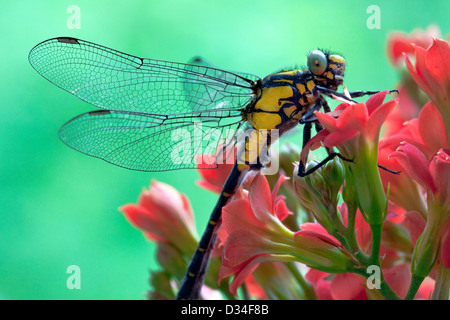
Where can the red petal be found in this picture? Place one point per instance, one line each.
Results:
(242, 245)
(328, 122)
(417, 71)
(414, 164)
(281, 210)
(348, 286)
(438, 60)
(313, 276)
(397, 45)
(355, 117)
(245, 271)
(238, 215)
(322, 290)
(440, 170)
(415, 223)
(426, 289)
(141, 219)
(318, 236)
(432, 128)
(398, 278)
(275, 190)
(375, 101)
(260, 198)
(377, 118)
(339, 137)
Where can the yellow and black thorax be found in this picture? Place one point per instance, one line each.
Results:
(282, 98)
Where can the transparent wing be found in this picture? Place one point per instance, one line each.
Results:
(113, 80)
(146, 142)
(201, 61)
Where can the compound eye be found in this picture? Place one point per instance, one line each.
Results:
(317, 62)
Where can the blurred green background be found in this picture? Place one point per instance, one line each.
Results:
(59, 207)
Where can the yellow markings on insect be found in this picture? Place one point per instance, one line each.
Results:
(333, 66)
(269, 102)
(262, 120)
(289, 73)
(310, 85)
(284, 80)
(201, 250)
(271, 96)
(336, 58)
(301, 88)
(226, 194)
(191, 274)
(329, 75)
(256, 141)
(212, 222)
(288, 111)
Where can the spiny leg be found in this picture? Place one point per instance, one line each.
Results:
(361, 93)
(307, 121)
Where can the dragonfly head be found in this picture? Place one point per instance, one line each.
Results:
(328, 69)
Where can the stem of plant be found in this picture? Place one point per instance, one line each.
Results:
(416, 281)
(309, 291)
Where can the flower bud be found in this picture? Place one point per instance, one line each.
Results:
(333, 175)
(289, 153)
(314, 195)
(423, 259)
(162, 289)
(171, 260)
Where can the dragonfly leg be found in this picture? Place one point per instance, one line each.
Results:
(307, 117)
(307, 121)
(302, 172)
(329, 93)
(361, 93)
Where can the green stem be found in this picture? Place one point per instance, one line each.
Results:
(416, 281)
(376, 244)
(307, 288)
(245, 294)
(387, 291)
(350, 236)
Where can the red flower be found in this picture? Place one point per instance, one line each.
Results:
(355, 134)
(400, 43)
(432, 74)
(427, 133)
(214, 175)
(407, 109)
(164, 215)
(249, 223)
(316, 236)
(349, 286)
(434, 177)
(253, 233)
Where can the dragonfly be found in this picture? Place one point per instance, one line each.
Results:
(147, 105)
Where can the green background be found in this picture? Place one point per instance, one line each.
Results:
(59, 207)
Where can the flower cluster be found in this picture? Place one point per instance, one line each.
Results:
(371, 224)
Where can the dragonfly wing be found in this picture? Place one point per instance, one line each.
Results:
(146, 142)
(113, 80)
(200, 61)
